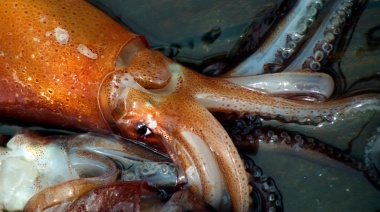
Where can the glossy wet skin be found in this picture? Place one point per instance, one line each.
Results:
(42, 72)
(176, 108)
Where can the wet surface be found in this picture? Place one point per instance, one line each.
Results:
(205, 33)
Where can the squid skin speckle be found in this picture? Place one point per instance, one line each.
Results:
(66, 64)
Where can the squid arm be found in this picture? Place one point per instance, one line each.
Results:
(65, 63)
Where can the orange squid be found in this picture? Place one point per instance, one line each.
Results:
(66, 64)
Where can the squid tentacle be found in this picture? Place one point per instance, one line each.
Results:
(137, 93)
(294, 30)
(323, 42)
(265, 194)
(250, 136)
(232, 98)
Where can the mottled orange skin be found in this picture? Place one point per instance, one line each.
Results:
(51, 83)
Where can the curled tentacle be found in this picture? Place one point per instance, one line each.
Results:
(328, 178)
(291, 35)
(265, 194)
(323, 41)
(248, 136)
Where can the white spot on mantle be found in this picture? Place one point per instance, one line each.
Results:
(86, 52)
(61, 35)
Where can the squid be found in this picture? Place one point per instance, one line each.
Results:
(67, 64)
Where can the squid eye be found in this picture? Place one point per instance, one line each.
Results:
(142, 129)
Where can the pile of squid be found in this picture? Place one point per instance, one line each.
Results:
(155, 142)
